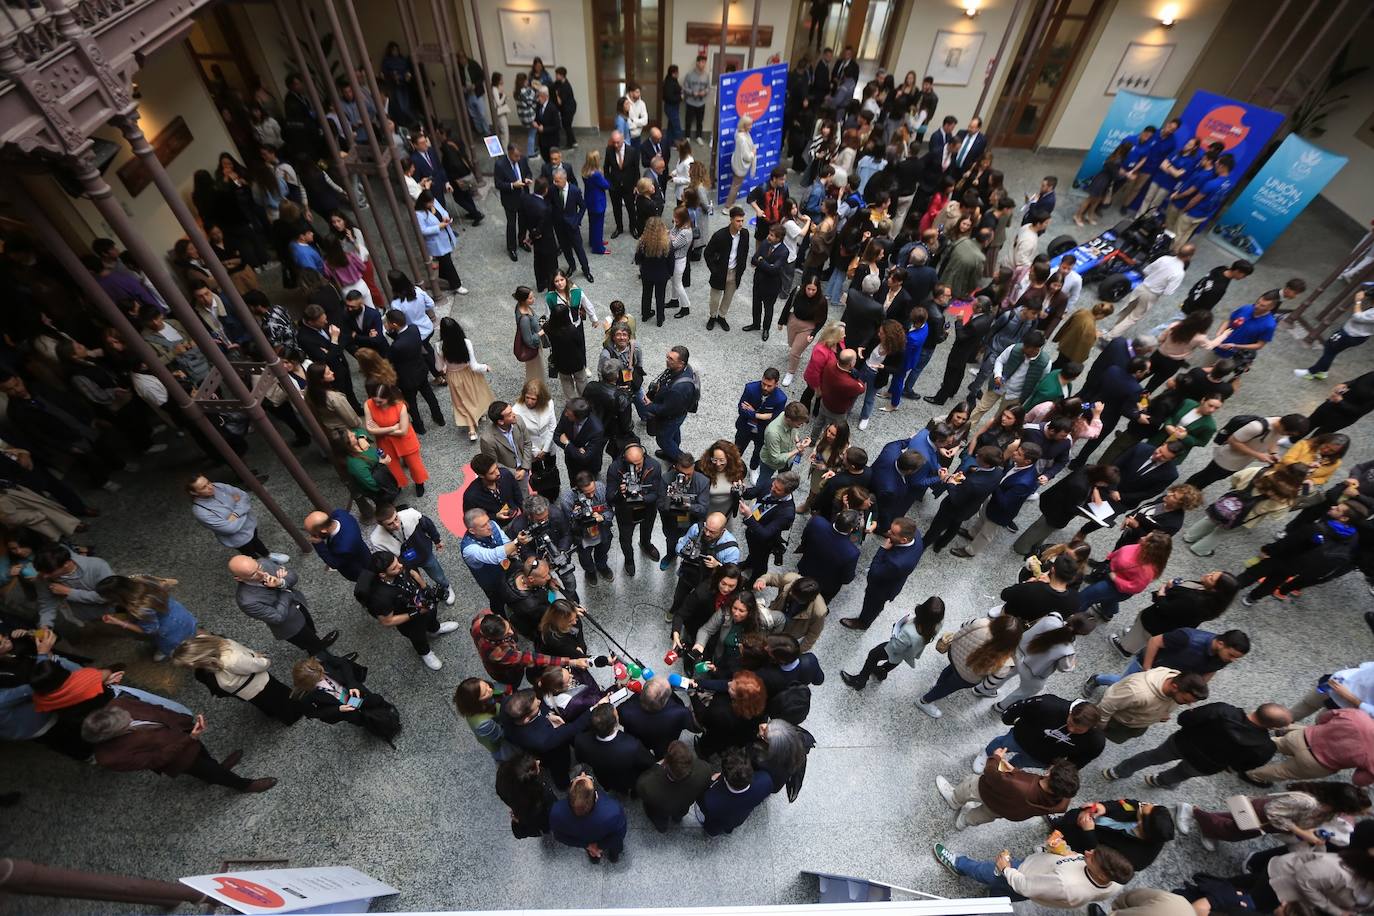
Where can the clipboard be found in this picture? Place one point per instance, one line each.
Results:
(1100, 513)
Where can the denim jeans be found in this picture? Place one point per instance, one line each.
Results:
(669, 437)
(1104, 595)
(1015, 754)
(1107, 680)
(985, 873)
(674, 113)
(835, 285)
(152, 698)
(1337, 342)
(435, 570)
(869, 377)
(948, 682)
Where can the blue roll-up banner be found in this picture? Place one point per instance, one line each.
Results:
(1129, 113)
(761, 94)
(1294, 175)
(1243, 129)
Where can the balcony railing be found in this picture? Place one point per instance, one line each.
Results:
(33, 27)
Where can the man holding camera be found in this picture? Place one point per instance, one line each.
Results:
(528, 588)
(686, 500)
(581, 437)
(496, 491)
(768, 520)
(398, 598)
(702, 550)
(636, 488)
(415, 540)
(551, 539)
(485, 550)
(671, 396)
(590, 514)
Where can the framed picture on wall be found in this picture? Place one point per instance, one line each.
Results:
(953, 57)
(1140, 68)
(525, 35)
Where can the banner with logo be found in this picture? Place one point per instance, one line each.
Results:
(760, 94)
(1130, 112)
(1243, 129)
(1294, 175)
(328, 889)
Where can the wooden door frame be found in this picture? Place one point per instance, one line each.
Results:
(1040, 54)
(629, 33)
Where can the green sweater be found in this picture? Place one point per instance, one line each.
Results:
(1049, 389)
(1200, 431)
(778, 440)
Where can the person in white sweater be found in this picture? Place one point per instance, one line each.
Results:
(1062, 882)
(743, 159)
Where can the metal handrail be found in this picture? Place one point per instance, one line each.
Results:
(33, 28)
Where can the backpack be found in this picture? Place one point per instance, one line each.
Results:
(1229, 428)
(792, 704)
(1233, 508)
(693, 379)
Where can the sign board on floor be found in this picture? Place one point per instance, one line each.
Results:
(332, 889)
(761, 95)
(1130, 112)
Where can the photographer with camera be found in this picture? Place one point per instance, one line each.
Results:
(614, 407)
(497, 492)
(701, 551)
(551, 540)
(686, 501)
(530, 587)
(415, 540)
(486, 549)
(398, 598)
(590, 515)
(712, 596)
(760, 403)
(636, 489)
(768, 520)
(581, 437)
(671, 396)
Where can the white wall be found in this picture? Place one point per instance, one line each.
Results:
(1351, 190)
(1080, 111)
(929, 16)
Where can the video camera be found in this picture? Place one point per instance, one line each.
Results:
(633, 494)
(584, 512)
(679, 497)
(543, 546)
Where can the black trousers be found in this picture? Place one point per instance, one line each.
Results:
(672, 531)
(594, 557)
(208, 769)
(255, 548)
(744, 439)
(513, 233)
(620, 201)
(625, 524)
(943, 527)
(1208, 476)
(570, 243)
(875, 664)
(306, 638)
(462, 198)
(545, 264)
(694, 116)
(765, 297)
(955, 365)
(447, 272)
(567, 119)
(496, 597)
(655, 290)
(873, 604)
(412, 396)
(760, 555)
(417, 630)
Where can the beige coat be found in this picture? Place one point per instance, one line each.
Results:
(1138, 700)
(1147, 901)
(966, 642)
(806, 626)
(243, 672)
(1319, 879)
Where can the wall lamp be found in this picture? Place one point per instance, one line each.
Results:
(1168, 16)
(971, 8)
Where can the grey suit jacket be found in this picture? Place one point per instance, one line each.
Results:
(279, 608)
(491, 441)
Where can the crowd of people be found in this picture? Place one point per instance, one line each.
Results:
(902, 242)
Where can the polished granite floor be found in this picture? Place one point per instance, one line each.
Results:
(424, 818)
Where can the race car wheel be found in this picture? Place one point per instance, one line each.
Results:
(1060, 245)
(1114, 288)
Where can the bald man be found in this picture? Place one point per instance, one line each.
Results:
(338, 540)
(267, 592)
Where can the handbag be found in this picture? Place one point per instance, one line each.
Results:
(523, 351)
(944, 642)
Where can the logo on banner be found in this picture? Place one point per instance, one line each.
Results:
(1225, 125)
(1140, 112)
(1302, 167)
(753, 96)
(249, 892)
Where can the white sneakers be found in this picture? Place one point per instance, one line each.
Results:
(462, 290)
(787, 380)
(432, 661)
(279, 558)
(980, 762)
(448, 626)
(1303, 373)
(863, 424)
(946, 790)
(1183, 818)
(929, 709)
(449, 599)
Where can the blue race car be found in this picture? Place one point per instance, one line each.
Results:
(1114, 259)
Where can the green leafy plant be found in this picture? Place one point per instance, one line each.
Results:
(1318, 101)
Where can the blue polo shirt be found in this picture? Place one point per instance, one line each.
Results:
(1213, 191)
(1246, 328)
(1139, 150)
(1159, 149)
(1185, 162)
(1189, 650)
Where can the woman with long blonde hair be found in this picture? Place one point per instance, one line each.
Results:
(829, 343)
(145, 606)
(229, 669)
(597, 189)
(654, 255)
(375, 367)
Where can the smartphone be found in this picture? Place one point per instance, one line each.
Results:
(354, 701)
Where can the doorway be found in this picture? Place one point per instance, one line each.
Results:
(217, 49)
(629, 49)
(1048, 63)
(864, 25)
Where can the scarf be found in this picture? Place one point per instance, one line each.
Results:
(80, 686)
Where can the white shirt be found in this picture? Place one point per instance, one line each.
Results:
(1023, 251)
(682, 175)
(417, 311)
(792, 234)
(1073, 286)
(1012, 384)
(539, 425)
(639, 117)
(381, 539)
(1163, 276)
(734, 252)
(1060, 882)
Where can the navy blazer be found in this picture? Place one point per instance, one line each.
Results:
(1135, 487)
(725, 810)
(1011, 494)
(1116, 353)
(976, 150)
(569, 215)
(357, 332)
(585, 449)
(546, 171)
(502, 174)
(430, 164)
(510, 492)
(1119, 393)
(891, 566)
(938, 141)
(776, 522)
(752, 402)
(656, 729)
(604, 825)
(965, 499)
(318, 348)
(893, 494)
(616, 763)
(540, 736)
(408, 356)
(827, 556)
(345, 550)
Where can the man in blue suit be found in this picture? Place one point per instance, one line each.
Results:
(568, 210)
(895, 481)
(930, 444)
(363, 325)
(656, 716)
(828, 554)
(965, 496)
(1118, 352)
(731, 799)
(429, 164)
(945, 137)
(513, 179)
(338, 540)
(525, 723)
(894, 562)
(1006, 500)
(758, 405)
(1146, 471)
(768, 520)
(1119, 393)
(589, 820)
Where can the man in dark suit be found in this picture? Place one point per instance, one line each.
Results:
(1146, 471)
(621, 167)
(820, 77)
(548, 124)
(970, 146)
(322, 343)
(731, 799)
(498, 492)
(1118, 352)
(429, 164)
(896, 483)
(945, 137)
(726, 255)
(828, 554)
(412, 368)
(589, 820)
(568, 210)
(1119, 393)
(767, 521)
(513, 179)
(581, 437)
(759, 404)
(862, 313)
(554, 163)
(651, 147)
(896, 300)
(567, 103)
(888, 571)
(536, 218)
(362, 325)
(656, 716)
(615, 756)
(525, 723)
(935, 166)
(1017, 484)
(964, 497)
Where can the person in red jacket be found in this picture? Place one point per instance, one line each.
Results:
(1342, 739)
(840, 387)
